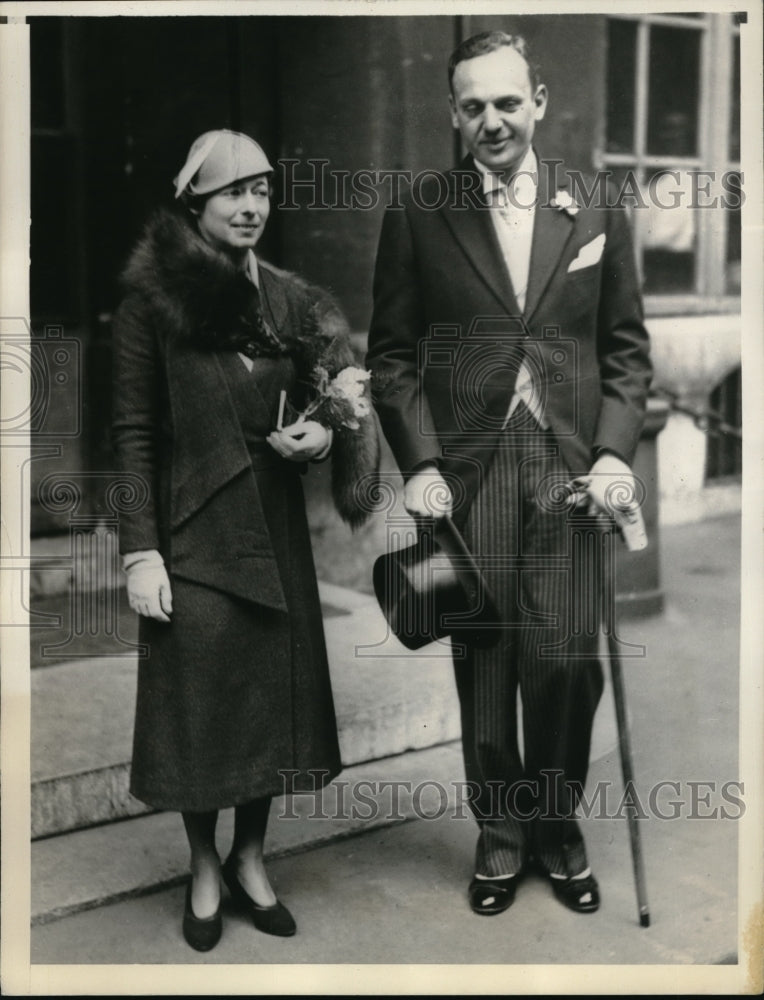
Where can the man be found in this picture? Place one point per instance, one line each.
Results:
(510, 361)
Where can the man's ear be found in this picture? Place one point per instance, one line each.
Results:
(452, 106)
(540, 99)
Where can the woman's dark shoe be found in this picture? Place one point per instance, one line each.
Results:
(274, 919)
(490, 896)
(581, 895)
(202, 933)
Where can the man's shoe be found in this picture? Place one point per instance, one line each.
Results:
(491, 896)
(582, 895)
(202, 933)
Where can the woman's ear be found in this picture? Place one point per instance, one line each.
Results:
(193, 204)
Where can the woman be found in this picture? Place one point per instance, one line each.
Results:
(234, 703)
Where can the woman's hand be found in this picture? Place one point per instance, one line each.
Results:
(301, 441)
(148, 585)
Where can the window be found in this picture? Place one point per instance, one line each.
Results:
(672, 135)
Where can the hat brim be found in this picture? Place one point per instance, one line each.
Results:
(434, 588)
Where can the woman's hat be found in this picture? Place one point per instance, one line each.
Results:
(434, 588)
(217, 159)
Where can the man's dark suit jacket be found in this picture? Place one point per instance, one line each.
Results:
(447, 334)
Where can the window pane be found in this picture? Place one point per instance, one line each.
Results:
(672, 121)
(621, 86)
(734, 144)
(668, 232)
(46, 74)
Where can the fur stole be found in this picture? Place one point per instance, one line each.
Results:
(195, 293)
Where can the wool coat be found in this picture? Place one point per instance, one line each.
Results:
(234, 698)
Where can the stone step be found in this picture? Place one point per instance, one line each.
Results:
(388, 701)
(84, 869)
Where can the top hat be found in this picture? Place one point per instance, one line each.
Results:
(433, 589)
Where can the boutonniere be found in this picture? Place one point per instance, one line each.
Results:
(565, 202)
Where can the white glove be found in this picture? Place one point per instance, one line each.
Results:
(427, 494)
(148, 585)
(303, 441)
(612, 489)
(609, 485)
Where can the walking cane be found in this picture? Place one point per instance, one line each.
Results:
(624, 738)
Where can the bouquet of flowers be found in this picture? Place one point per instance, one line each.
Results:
(339, 402)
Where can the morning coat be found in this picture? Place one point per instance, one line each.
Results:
(447, 335)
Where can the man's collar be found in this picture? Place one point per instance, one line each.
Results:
(526, 173)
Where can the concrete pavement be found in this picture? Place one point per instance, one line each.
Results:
(397, 894)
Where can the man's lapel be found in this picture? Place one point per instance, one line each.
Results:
(473, 230)
(552, 229)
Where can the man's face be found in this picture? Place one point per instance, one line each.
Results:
(495, 108)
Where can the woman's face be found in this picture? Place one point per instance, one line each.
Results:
(233, 219)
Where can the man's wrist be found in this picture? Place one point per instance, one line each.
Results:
(428, 467)
(598, 452)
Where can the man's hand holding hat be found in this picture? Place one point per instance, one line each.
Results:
(427, 494)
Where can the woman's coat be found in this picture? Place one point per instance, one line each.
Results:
(185, 314)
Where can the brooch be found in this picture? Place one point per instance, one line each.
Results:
(564, 201)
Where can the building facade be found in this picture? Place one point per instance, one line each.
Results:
(351, 107)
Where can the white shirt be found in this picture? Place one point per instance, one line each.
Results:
(513, 211)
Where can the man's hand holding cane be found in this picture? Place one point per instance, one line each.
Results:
(611, 490)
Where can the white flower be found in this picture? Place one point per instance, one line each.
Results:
(564, 201)
(341, 401)
(349, 383)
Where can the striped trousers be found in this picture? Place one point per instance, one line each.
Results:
(545, 582)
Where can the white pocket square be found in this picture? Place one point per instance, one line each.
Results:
(589, 254)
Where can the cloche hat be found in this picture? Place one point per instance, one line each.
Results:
(217, 159)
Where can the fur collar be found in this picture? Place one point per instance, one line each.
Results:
(200, 295)
(196, 294)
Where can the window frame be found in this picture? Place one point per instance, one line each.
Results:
(718, 32)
